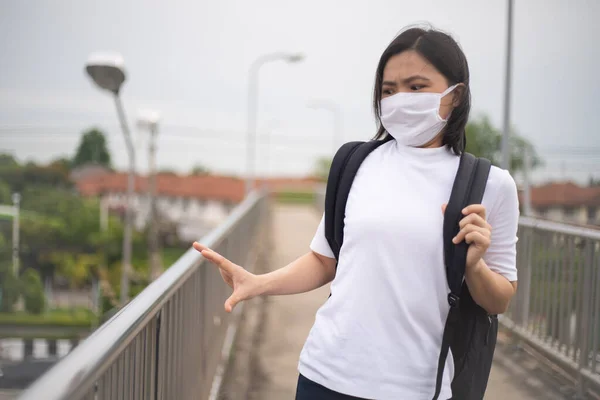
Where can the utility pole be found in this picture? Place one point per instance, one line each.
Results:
(128, 233)
(96, 279)
(507, 89)
(103, 214)
(149, 120)
(153, 242)
(16, 198)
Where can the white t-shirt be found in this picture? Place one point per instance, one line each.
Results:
(379, 334)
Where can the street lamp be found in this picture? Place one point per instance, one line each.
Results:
(253, 106)
(267, 159)
(107, 70)
(337, 119)
(149, 120)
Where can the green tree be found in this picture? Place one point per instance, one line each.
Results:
(10, 289)
(593, 182)
(92, 149)
(7, 160)
(9, 285)
(484, 140)
(5, 195)
(62, 163)
(167, 171)
(33, 292)
(58, 228)
(200, 170)
(61, 235)
(18, 177)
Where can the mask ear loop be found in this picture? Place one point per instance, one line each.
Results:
(444, 93)
(450, 89)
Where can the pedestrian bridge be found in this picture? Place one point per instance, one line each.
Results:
(175, 341)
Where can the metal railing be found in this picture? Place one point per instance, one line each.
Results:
(167, 342)
(557, 306)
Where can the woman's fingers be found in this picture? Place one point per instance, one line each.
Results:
(234, 275)
(470, 228)
(475, 214)
(474, 219)
(199, 246)
(475, 209)
(231, 302)
(224, 264)
(478, 238)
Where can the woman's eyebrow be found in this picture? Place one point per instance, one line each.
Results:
(406, 81)
(416, 77)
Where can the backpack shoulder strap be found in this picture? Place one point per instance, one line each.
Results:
(335, 172)
(344, 167)
(469, 187)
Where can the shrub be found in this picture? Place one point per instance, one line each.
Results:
(33, 292)
(9, 291)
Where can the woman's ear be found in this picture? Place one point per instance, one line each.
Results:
(458, 94)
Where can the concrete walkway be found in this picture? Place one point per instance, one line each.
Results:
(288, 319)
(8, 394)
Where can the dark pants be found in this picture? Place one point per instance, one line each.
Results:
(309, 390)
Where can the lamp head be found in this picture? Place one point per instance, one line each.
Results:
(107, 70)
(295, 57)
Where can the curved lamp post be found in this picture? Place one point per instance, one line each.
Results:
(107, 70)
(337, 119)
(253, 107)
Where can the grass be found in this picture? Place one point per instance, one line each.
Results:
(295, 197)
(171, 254)
(46, 336)
(57, 317)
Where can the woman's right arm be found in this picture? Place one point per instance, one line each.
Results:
(311, 271)
(308, 272)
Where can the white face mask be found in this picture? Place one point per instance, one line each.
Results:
(413, 119)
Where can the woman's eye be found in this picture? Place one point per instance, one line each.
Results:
(416, 87)
(387, 92)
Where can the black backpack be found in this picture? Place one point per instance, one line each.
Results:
(469, 331)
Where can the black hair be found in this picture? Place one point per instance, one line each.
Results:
(444, 53)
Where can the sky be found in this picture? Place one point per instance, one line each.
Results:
(189, 60)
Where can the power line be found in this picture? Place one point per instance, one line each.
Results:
(193, 130)
(167, 131)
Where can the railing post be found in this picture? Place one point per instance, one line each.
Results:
(154, 373)
(527, 283)
(523, 295)
(203, 339)
(585, 316)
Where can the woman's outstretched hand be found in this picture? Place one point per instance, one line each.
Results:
(245, 285)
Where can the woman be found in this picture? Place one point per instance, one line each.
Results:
(379, 334)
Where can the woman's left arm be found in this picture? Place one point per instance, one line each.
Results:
(489, 289)
(491, 272)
